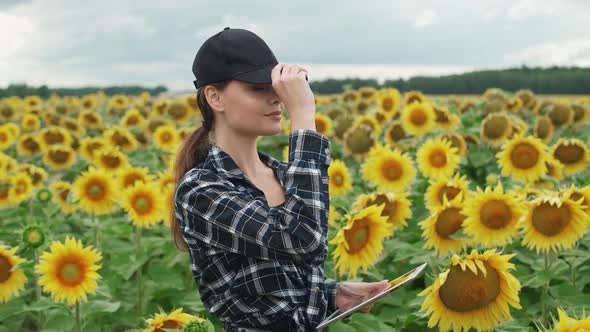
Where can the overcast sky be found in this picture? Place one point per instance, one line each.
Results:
(72, 43)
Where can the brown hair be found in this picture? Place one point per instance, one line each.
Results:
(193, 151)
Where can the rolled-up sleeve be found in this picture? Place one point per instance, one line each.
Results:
(331, 289)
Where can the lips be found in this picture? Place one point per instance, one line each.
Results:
(274, 113)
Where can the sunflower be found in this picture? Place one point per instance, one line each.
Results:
(89, 145)
(53, 136)
(30, 122)
(568, 324)
(554, 168)
(90, 119)
(68, 271)
(388, 102)
(394, 133)
(129, 175)
(37, 174)
(457, 141)
(143, 203)
(360, 241)
(95, 190)
(33, 236)
(159, 106)
(445, 119)
(61, 190)
(333, 216)
(340, 179)
(581, 114)
(553, 222)
(572, 154)
(397, 207)
(12, 281)
(59, 157)
(168, 197)
(561, 115)
(418, 118)
(388, 169)
(528, 98)
(582, 195)
(514, 104)
(475, 292)
(441, 228)
(437, 158)
(166, 137)
(89, 102)
(445, 187)
(544, 128)
(33, 102)
(175, 320)
(523, 158)
(111, 159)
(414, 96)
(166, 178)
(179, 111)
(118, 102)
(132, 118)
(323, 124)
(495, 128)
(358, 141)
(6, 138)
(22, 187)
(493, 216)
(121, 138)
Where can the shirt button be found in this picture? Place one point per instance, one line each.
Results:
(315, 289)
(326, 150)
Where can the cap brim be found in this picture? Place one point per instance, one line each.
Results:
(261, 76)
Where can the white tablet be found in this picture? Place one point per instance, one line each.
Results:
(393, 285)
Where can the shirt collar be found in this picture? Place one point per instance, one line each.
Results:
(226, 166)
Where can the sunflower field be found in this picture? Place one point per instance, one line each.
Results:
(492, 191)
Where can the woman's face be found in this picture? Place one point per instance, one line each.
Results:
(247, 105)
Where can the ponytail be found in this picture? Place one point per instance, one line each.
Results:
(194, 150)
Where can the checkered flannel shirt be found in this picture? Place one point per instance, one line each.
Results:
(254, 264)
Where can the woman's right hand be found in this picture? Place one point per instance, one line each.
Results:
(290, 84)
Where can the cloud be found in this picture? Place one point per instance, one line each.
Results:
(563, 52)
(425, 18)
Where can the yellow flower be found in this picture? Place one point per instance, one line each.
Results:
(143, 203)
(414, 96)
(568, 324)
(166, 137)
(495, 128)
(95, 190)
(110, 159)
(437, 158)
(28, 145)
(418, 118)
(340, 179)
(388, 169)
(572, 154)
(129, 175)
(323, 124)
(553, 222)
(12, 281)
(440, 229)
(68, 271)
(30, 122)
(59, 157)
(360, 240)
(493, 216)
(397, 206)
(61, 190)
(22, 187)
(445, 187)
(175, 320)
(475, 292)
(523, 158)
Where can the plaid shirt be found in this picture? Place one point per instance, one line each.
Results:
(254, 264)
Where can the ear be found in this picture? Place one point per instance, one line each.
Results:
(214, 98)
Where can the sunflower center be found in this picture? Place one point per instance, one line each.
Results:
(397, 132)
(120, 139)
(71, 273)
(91, 118)
(59, 156)
(166, 137)
(544, 127)
(550, 219)
(338, 179)
(64, 194)
(495, 126)
(524, 156)
(358, 236)
(450, 192)
(495, 214)
(111, 161)
(5, 267)
(131, 178)
(441, 116)
(392, 170)
(449, 222)
(169, 324)
(576, 196)
(54, 137)
(31, 145)
(418, 117)
(569, 154)
(95, 190)
(3, 137)
(132, 120)
(465, 291)
(142, 204)
(387, 104)
(20, 187)
(438, 158)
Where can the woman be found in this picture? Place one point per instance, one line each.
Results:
(255, 227)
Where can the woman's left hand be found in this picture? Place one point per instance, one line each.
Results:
(350, 294)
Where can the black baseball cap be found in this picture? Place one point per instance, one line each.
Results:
(237, 54)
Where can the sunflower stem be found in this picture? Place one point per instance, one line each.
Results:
(78, 327)
(139, 281)
(96, 231)
(545, 288)
(37, 286)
